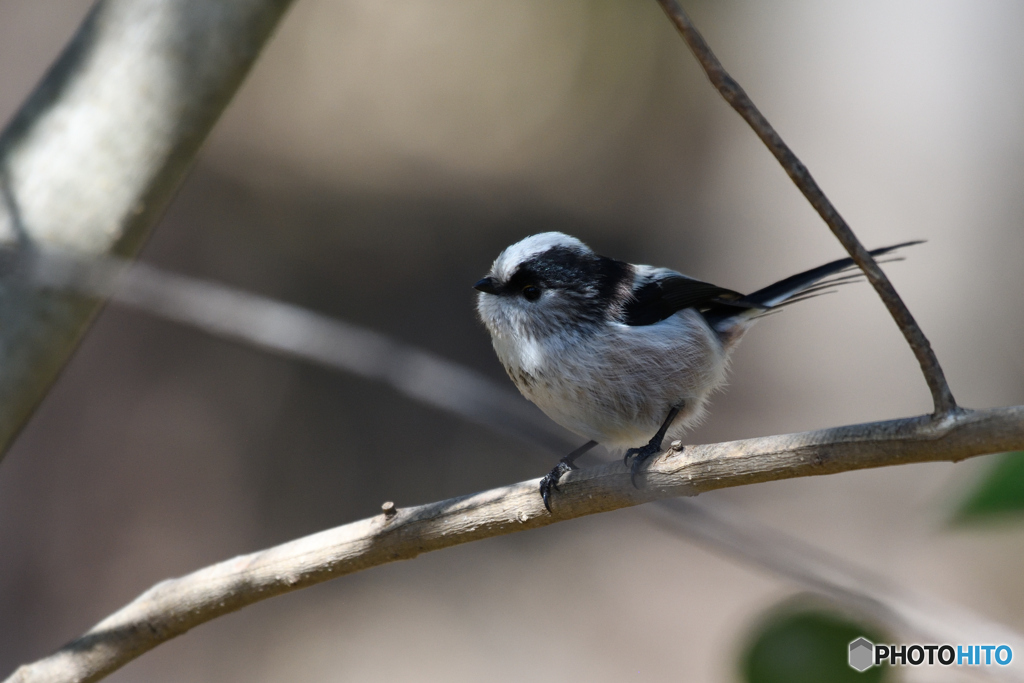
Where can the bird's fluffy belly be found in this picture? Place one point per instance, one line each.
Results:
(617, 385)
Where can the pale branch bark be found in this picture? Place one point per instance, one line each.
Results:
(96, 152)
(175, 606)
(727, 86)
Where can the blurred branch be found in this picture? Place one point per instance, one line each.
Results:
(303, 334)
(913, 617)
(297, 332)
(96, 152)
(942, 397)
(175, 606)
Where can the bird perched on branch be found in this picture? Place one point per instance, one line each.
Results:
(624, 355)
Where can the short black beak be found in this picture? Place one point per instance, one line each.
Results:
(487, 285)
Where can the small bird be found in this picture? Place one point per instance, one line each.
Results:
(623, 355)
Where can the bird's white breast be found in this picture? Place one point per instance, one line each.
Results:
(616, 383)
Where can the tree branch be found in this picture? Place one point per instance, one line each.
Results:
(942, 397)
(175, 606)
(278, 327)
(299, 333)
(96, 152)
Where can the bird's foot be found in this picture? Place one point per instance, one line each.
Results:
(639, 456)
(550, 481)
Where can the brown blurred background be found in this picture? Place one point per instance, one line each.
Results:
(377, 160)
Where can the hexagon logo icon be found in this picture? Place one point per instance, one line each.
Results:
(862, 654)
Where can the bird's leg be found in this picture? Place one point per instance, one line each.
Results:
(653, 447)
(550, 480)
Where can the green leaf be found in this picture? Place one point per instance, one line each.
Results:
(802, 643)
(1000, 493)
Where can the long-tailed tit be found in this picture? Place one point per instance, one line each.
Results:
(623, 355)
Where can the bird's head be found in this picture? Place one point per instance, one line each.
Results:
(550, 284)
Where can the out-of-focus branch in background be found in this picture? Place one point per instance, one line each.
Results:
(297, 332)
(96, 152)
(911, 616)
(173, 607)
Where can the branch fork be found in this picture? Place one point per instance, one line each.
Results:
(728, 88)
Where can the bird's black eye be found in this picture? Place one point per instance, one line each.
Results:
(531, 292)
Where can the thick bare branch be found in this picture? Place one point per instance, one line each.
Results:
(94, 155)
(727, 86)
(173, 607)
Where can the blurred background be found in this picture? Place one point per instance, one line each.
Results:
(374, 164)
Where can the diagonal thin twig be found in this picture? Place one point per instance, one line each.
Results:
(727, 86)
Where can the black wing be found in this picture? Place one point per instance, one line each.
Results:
(664, 296)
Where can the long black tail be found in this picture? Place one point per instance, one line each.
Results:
(794, 288)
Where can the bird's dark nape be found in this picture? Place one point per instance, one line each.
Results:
(799, 287)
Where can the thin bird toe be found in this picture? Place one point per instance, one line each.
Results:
(549, 482)
(545, 493)
(642, 456)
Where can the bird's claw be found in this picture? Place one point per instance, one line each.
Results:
(639, 456)
(550, 481)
